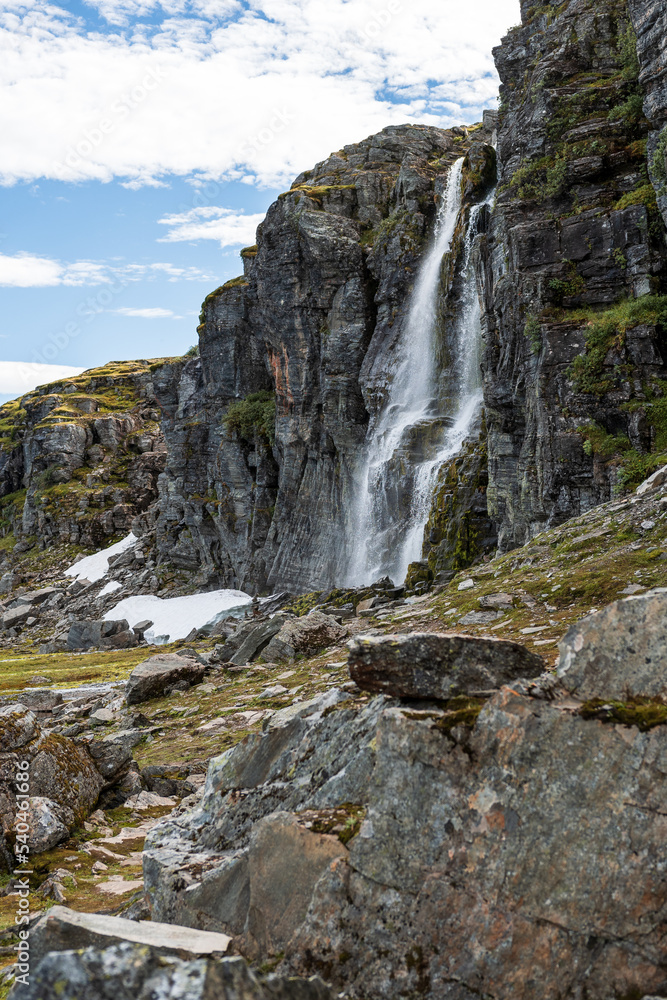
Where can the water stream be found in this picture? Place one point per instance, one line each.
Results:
(427, 415)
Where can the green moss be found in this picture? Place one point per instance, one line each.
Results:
(249, 252)
(192, 352)
(644, 713)
(239, 282)
(252, 416)
(642, 195)
(460, 711)
(533, 333)
(571, 285)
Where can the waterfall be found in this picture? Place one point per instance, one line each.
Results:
(426, 417)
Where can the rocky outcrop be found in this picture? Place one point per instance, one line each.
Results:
(265, 429)
(80, 459)
(570, 377)
(158, 674)
(649, 18)
(507, 848)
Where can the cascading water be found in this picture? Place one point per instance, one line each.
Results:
(421, 426)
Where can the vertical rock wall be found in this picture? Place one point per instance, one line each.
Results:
(572, 380)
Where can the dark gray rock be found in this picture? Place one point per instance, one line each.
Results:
(619, 652)
(253, 640)
(100, 635)
(306, 635)
(154, 676)
(135, 972)
(427, 665)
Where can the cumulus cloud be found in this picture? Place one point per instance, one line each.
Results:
(149, 313)
(26, 270)
(255, 91)
(228, 227)
(19, 377)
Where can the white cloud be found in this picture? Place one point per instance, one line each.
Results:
(19, 377)
(151, 313)
(25, 270)
(230, 228)
(255, 91)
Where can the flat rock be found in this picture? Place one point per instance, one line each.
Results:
(429, 665)
(151, 678)
(37, 597)
(497, 601)
(619, 652)
(16, 616)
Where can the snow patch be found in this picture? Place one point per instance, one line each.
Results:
(94, 567)
(109, 588)
(174, 617)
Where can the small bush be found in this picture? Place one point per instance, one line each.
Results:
(533, 332)
(252, 416)
(598, 442)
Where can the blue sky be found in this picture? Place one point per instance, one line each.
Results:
(144, 140)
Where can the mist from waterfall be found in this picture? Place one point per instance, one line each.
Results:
(420, 427)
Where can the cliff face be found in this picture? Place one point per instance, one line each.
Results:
(573, 380)
(649, 18)
(265, 430)
(79, 459)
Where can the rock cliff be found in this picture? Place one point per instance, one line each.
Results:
(264, 431)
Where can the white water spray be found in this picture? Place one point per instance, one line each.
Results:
(413, 436)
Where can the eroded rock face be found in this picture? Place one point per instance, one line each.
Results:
(520, 859)
(427, 665)
(575, 227)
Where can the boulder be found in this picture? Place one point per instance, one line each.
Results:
(42, 700)
(18, 727)
(63, 770)
(257, 639)
(428, 665)
(16, 616)
(36, 597)
(659, 478)
(60, 929)
(502, 602)
(155, 675)
(304, 635)
(129, 971)
(100, 635)
(46, 827)
(619, 652)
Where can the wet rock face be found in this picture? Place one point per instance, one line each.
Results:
(309, 329)
(575, 228)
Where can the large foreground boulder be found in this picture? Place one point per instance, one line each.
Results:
(429, 665)
(512, 856)
(135, 972)
(619, 652)
(155, 676)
